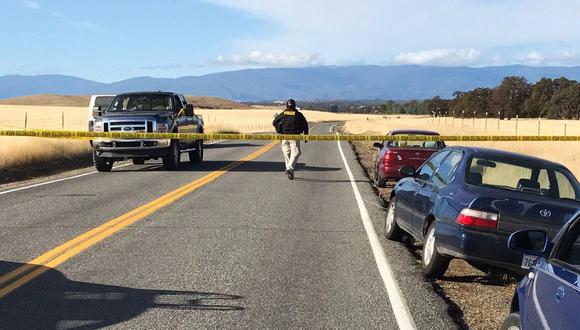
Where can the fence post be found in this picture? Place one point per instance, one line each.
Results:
(63, 120)
(462, 117)
(25, 120)
(473, 121)
(517, 117)
(565, 126)
(539, 124)
(498, 119)
(486, 121)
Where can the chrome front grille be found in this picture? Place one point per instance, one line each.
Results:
(129, 125)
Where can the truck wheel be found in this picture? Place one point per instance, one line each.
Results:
(512, 322)
(196, 156)
(102, 164)
(434, 264)
(392, 230)
(138, 161)
(379, 182)
(172, 159)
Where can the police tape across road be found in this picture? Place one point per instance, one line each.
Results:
(84, 135)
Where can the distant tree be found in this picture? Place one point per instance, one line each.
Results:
(437, 106)
(510, 96)
(539, 102)
(566, 103)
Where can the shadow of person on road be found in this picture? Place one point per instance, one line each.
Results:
(52, 301)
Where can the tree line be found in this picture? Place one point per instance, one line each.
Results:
(548, 98)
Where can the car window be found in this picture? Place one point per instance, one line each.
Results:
(522, 175)
(565, 188)
(141, 102)
(431, 165)
(569, 251)
(446, 169)
(416, 144)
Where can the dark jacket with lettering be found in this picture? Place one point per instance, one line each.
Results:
(291, 121)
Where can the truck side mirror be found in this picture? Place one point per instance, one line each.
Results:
(189, 110)
(97, 111)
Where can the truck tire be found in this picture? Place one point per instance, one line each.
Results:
(379, 182)
(102, 164)
(434, 264)
(138, 161)
(172, 159)
(196, 156)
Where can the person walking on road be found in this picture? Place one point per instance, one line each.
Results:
(291, 121)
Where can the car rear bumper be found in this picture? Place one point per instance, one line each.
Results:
(477, 245)
(391, 172)
(131, 148)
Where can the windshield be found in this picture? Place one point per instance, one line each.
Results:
(142, 102)
(527, 176)
(416, 144)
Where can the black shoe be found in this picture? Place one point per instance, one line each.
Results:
(290, 174)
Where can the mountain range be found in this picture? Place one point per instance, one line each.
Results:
(369, 82)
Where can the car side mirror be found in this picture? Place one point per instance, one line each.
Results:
(189, 110)
(407, 171)
(534, 242)
(97, 111)
(378, 145)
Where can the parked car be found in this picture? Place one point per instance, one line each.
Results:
(97, 105)
(549, 297)
(465, 202)
(393, 155)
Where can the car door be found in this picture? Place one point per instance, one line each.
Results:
(429, 192)
(411, 201)
(553, 301)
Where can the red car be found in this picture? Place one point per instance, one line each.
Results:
(396, 154)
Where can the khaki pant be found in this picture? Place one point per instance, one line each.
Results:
(291, 151)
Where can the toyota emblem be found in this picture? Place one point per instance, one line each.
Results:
(545, 213)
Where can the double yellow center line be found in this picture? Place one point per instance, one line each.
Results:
(51, 259)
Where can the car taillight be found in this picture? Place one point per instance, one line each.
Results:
(474, 218)
(391, 156)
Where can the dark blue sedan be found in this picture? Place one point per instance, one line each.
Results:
(464, 203)
(549, 297)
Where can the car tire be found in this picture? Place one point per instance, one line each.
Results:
(380, 182)
(392, 230)
(512, 322)
(434, 264)
(173, 158)
(138, 161)
(196, 156)
(102, 164)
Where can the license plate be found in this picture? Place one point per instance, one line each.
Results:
(528, 261)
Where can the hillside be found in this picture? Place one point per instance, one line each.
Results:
(369, 82)
(205, 102)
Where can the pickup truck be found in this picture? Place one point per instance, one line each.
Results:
(153, 112)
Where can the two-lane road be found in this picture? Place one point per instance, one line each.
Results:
(224, 244)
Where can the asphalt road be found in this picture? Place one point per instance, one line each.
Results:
(247, 249)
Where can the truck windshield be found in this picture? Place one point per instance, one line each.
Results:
(141, 102)
(528, 176)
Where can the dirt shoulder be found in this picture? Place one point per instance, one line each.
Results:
(475, 302)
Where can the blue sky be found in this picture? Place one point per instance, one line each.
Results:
(109, 40)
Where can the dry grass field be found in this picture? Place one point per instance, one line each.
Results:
(258, 119)
(567, 153)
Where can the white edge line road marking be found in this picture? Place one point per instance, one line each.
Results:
(70, 177)
(400, 309)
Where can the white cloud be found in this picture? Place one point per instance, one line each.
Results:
(534, 58)
(267, 59)
(372, 30)
(554, 58)
(446, 57)
(31, 5)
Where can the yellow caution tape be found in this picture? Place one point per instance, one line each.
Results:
(83, 135)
